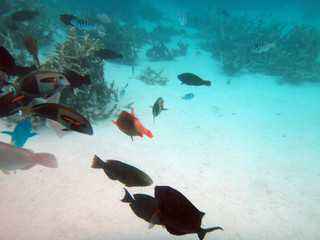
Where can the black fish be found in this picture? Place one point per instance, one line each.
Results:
(143, 206)
(10, 103)
(23, 15)
(157, 107)
(77, 80)
(178, 214)
(107, 54)
(66, 116)
(66, 19)
(125, 173)
(20, 71)
(193, 80)
(7, 62)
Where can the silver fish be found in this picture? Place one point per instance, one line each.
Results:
(188, 96)
(262, 47)
(82, 24)
(182, 16)
(13, 158)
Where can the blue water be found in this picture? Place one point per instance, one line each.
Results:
(244, 150)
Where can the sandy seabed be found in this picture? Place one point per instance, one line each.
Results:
(245, 153)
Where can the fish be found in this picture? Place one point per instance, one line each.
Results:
(178, 214)
(24, 15)
(157, 107)
(31, 45)
(132, 70)
(11, 102)
(124, 173)
(107, 54)
(224, 13)
(7, 62)
(20, 71)
(142, 205)
(13, 158)
(82, 24)
(76, 80)
(104, 18)
(123, 91)
(188, 96)
(262, 47)
(21, 133)
(182, 16)
(66, 116)
(66, 19)
(130, 125)
(192, 80)
(42, 84)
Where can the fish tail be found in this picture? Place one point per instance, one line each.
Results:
(127, 197)
(203, 232)
(273, 45)
(46, 159)
(25, 110)
(97, 162)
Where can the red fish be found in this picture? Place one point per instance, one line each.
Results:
(131, 125)
(31, 45)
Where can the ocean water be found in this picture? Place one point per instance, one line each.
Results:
(244, 150)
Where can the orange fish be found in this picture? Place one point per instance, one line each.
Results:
(131, 125)
(31, 45)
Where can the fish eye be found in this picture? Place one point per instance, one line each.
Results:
(61, 77)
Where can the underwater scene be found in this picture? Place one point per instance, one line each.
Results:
(163, 119)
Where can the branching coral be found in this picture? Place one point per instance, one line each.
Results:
(150, 76)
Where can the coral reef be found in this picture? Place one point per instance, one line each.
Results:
(151, 77)
(181, 51)
(159, 52)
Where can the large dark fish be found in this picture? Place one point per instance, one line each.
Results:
(20, 71)
(143, 206)
(23, 15)
(42, 84)
(76, 80)
(7, 62)
(11, 102)
(193, 80)
(127, 174)
(31, 45)
(107, 54)
(157, 107)
(130, 125)
(178, 214)
(66, 116)
(66, 19)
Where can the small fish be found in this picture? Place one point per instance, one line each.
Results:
(123, 91)
(124, 173)
(143, 206)
(178, 214)
(23, 15)
(224, 13)
(182, 16)
(21, 133)
(76, 80)
(42, 84)
(31, 45)
(262, 47)
(66, 116)
(13, 158)
(192, 80)
(7, 62)
(130, 125)
(104, 18)
(107, 54)
(82, 24)
(188, 96)
(157, 107)
(132, 70)
(66, 19)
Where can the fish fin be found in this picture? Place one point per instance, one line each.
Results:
(32, 134)
(28, 167)
(7, 132)
(127, 197)
(45, 159)
(109, 174)
(273, 45)
(153, 118)
(25, 110)
(97, 162)
(140, 134)
(6, 172)
(131, 138)
(115, 123)
(154, 219)
(203, 232)
(132, 112)
(164, 108)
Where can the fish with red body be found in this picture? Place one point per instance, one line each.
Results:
(130, 125)
(31, 45)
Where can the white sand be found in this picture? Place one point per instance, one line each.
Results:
(246, 153)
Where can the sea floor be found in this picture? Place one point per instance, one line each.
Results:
(245, 153)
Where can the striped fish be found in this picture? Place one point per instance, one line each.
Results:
(182, 16)
(188, 96)
(82, 24)
(262, 47)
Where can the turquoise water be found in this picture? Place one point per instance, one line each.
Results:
(244, 150)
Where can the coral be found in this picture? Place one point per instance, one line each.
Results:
(181, 51)
(159, 52)
(151, 77)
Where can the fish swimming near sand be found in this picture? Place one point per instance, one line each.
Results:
(82, 24)
(142, 205)
(124, 173)
(23, 15)
(7, 62)
(76, 80)
(13, 158)
(66, 19)
(192, 80)
(130, 125)
(21, 133)
(178, 214)
(31, 45)
(157, 107)
(123, 90)
(182, 16)
(188, 96)
(66, 116)
(107, 54)
(263, 47)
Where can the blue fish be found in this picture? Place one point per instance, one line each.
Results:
(182, 16)
(188, 96)
(82, 24)
(21, 133)
(123, 91)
